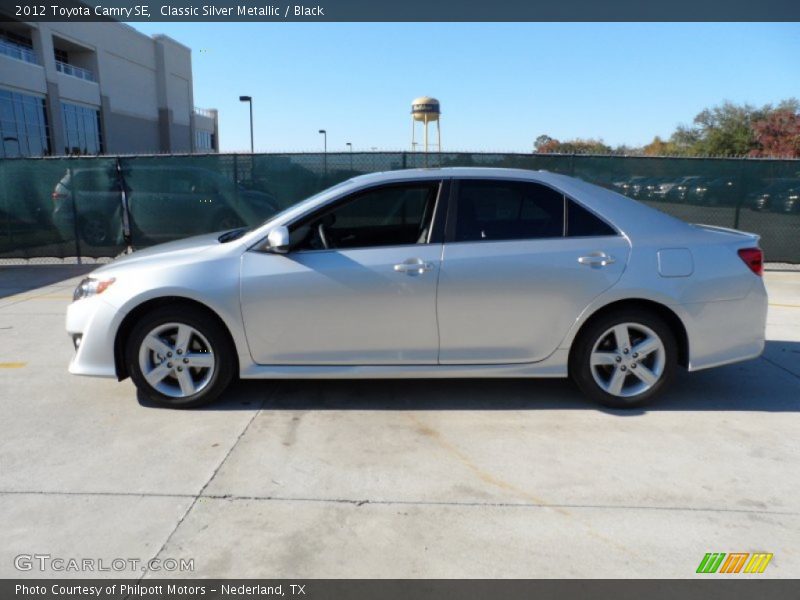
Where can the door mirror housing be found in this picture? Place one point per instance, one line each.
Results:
(278, 240)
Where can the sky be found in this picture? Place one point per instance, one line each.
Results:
(500, 84)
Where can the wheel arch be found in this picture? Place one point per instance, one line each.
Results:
(128, 323)
(674, 322)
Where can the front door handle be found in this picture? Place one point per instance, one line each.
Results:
(413, 266)
(597, 259)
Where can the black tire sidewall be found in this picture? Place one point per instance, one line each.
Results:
(579, 364)
(217, 337)
(87, 235)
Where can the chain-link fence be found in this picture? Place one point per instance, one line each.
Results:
(96, 207)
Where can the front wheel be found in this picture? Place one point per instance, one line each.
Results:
(624, 359)
(179, 357)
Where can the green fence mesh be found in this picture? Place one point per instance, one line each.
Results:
(96, 207)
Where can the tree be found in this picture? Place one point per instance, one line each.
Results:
(659, 147)
(543, 141)
(547, 145)
(726, 130)
(778, 134)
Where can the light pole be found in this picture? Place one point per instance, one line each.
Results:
(249, 100)
(350, 146)
(325, 149)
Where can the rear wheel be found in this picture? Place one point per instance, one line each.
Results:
(179, 357)
(624, 359)
(94, 230)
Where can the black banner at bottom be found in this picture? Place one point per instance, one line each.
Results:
(391, 589)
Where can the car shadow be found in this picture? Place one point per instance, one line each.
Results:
(761, 385)
(18, 279)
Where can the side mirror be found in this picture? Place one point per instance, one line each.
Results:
(278, 240)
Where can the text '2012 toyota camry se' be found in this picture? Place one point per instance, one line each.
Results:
(459, 272)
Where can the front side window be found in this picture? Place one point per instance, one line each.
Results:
(393, 215)
(493, 210)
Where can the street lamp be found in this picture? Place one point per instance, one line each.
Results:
(249, 100)
(325, 149)
(350, 146)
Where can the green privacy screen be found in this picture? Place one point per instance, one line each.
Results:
(97, 207)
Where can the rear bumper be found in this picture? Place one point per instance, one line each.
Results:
(726, 331)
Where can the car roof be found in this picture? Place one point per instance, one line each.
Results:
(631, 218)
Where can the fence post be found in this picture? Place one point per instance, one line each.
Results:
(75, 227)
(126, 214)
(572, 165)
(740, 195)
(405, 161)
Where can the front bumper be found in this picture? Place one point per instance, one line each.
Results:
(96, 323)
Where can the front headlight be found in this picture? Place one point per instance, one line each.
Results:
(91, 286)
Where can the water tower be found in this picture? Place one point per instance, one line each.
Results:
(425, 110)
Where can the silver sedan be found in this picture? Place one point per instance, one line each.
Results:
(459, 272)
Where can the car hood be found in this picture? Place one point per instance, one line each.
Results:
(177, 250)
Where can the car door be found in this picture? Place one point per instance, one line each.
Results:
(358, 286)
(520, 263)
(162, 202)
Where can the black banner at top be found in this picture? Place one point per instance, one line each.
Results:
(401, 10)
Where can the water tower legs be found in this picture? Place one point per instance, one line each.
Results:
(426, 134)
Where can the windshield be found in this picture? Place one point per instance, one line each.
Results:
(300, 206)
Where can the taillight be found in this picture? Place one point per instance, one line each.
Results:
(754, 259)
(58, 196)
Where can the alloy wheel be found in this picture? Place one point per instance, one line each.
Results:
(627, 360)
(176, 360)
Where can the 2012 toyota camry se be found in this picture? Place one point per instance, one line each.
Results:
(459, 272)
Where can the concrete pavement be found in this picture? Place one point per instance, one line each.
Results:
(466, 478)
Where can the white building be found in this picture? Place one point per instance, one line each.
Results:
(97, 88)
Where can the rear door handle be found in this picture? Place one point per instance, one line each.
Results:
(597, 259)
(413, 266)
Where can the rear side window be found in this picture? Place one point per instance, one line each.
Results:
(582, 223)
(507, 210)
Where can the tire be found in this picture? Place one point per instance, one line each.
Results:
(181, 375)
(614, 377)
(94, 230)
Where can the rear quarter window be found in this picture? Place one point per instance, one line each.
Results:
(582, 223)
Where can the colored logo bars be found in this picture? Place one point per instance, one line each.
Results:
(736, 562)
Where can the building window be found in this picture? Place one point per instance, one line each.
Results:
(17, 46)
(23, 125)
(203, 141)
(81, 129)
